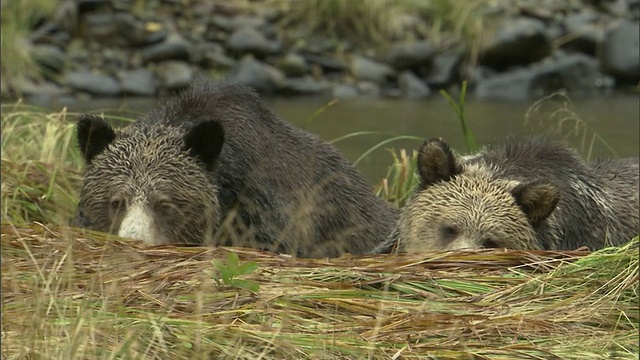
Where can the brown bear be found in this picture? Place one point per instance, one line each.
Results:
(215, 167)
(531, 193)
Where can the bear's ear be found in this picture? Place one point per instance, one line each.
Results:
(94, 135)
(204, 142)
(436, 162)
(537, 200)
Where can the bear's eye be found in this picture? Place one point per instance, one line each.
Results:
(489, 243)
(450, 231)
(117, 205)
(165, 206)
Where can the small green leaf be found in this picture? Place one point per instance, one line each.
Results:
(247, 268)
(220, 266)
(246, 284)
(227, 273)
(223, 270)
(232, 262)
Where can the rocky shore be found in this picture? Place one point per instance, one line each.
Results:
(110, 48)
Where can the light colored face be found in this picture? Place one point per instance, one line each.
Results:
(148, 188)
(466, 212)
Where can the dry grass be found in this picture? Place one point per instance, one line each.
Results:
(40, 167)
(38, 191)
(362, 21)
(401, 178)
(79, 295)
(381, 22)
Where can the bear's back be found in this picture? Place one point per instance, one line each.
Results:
(534, 157)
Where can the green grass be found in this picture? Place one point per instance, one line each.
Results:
(379, 22)
(458, 107)
(458, 22)
(40, 167)
(401, 179)
(371, 21)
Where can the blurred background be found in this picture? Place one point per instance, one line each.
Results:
(366, 75)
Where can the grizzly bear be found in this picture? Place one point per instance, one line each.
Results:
(216, 167)
(532, 193)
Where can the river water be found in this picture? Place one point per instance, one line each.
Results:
(597, 126)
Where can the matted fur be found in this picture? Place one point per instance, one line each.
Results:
(531, 193)
(272, 186)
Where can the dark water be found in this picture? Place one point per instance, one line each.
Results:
(607, 126)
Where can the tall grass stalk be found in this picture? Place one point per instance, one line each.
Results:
(458, 107)
(557, 110)
(401, 179)
(32, 134)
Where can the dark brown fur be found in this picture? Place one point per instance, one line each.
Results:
(531, 193)
(239, 175)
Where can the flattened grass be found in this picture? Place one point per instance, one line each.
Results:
(81, 295)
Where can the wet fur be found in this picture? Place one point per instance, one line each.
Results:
(564, 201)
(275, 187)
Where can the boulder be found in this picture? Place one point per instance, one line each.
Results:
(575, 73)
(250, 40)
(369, 70)
(517, 41)
(174, 74)
(138, 82)
(92, 83)
(410, 55)
(411, 86)
(261, 76)
(174, 47)
(621, 53)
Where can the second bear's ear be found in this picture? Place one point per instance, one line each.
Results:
(204, 142)
(94, 135)
(436, 162)
(537, 200)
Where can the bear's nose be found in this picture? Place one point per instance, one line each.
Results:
(138, 223)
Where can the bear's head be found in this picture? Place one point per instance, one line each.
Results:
(149, 182)
(461, 204)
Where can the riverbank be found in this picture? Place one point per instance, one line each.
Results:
(506, 49)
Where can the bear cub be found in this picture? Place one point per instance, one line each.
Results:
(531, 193)
(215, 167)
